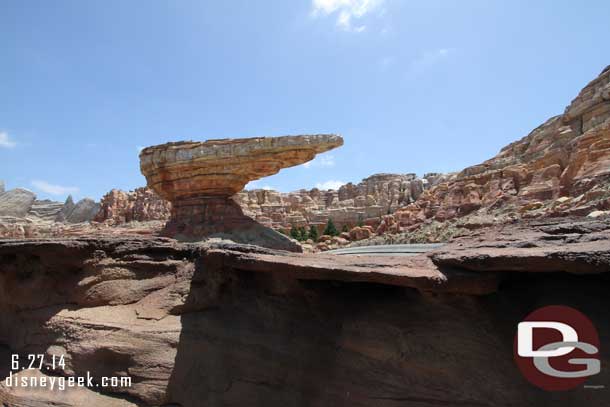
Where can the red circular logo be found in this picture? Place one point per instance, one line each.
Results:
(557, 348)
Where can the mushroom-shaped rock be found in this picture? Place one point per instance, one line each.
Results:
(199, 178)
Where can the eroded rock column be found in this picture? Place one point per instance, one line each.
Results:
(199, 179)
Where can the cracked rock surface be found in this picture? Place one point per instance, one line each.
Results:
(231, 325)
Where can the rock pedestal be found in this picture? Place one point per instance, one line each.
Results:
(199, 179)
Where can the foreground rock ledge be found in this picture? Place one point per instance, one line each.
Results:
(199, 178)
(236, 325)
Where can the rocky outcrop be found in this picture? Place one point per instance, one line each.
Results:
(352, 204)
(561, 168)
(16, 202)
(142, 205)
(234, 325)
(200, 178)
(83, 211)
(24, 216)
(45, 209)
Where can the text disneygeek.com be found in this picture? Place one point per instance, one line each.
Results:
(20, 363)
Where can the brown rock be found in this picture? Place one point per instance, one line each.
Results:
(199, 179)
(142, 204)
(564, 157)
(228, 324)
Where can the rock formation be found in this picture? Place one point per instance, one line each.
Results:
(234, 325)
(24, 216)
(16, 202)
(199, 178)
(45, 209)
(561, 168)
(142, 205)
(366, 202)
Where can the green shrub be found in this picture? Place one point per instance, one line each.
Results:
(331, 229)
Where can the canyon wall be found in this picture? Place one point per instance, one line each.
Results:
(236, 325)
(561, 168)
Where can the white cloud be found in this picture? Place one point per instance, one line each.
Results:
(332, 184)
(347, 11)
(323, 161)
(256, 185)
(53, 189)
(5, 141)
(429, 59)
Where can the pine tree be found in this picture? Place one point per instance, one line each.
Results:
(294, 232)
(303, 234)
(331, 230)
(345, 229)
(313, 233)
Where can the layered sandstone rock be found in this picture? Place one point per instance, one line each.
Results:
(16, 202)
(352, 204)
(236, 325)
(199, 178)
(142, 205)
(561, 168)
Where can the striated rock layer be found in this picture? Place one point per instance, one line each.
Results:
(561, 168)
(141, 205)
(236, 325)
(199, 179)
(223, 167)
(352, 204)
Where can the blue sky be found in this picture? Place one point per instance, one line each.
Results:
(413, 86)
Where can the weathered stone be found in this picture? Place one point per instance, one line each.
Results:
(16, 202)
(83, 211)
(352, 204)
(565, 157)
(142, 204)
(65, 210)
(222, 168)
(45, 209)
(199, 179)
(226, 324)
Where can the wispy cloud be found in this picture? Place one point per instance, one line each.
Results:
(323, 161)
(53, 189)
(346, 10)
(429, 59)
(331, 184)
(256, 185)
(5, 141)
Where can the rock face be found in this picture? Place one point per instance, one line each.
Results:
(45, 209)
(141, 205)
(366, 202)
(83, 211)
(235, 325)
(16, 202)
(561, 168)
(200, 178)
